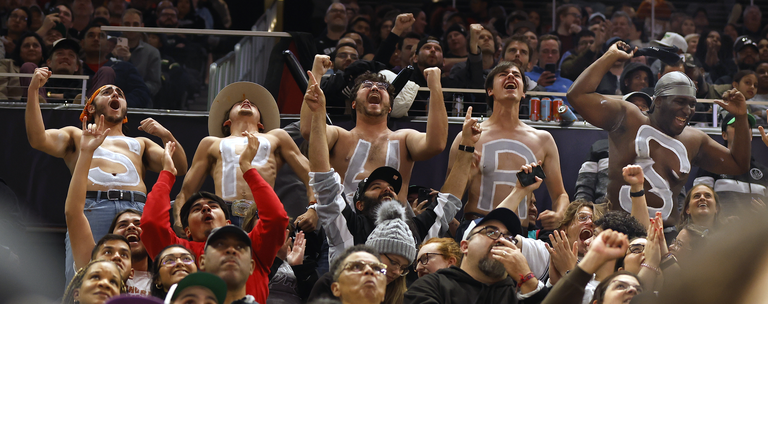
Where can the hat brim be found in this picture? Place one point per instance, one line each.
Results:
(236, 92)
(387, 174)
(206, 280)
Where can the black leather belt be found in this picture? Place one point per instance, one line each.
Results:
(118, 195)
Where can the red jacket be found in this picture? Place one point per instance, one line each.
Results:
(266, 237)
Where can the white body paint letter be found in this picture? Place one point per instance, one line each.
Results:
(128, 178)
(659, 185)
(493, 175)
(357, 164)
(230, 162)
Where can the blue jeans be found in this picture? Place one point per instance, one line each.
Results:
(100, 213)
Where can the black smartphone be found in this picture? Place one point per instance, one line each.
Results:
(424, 195)
(527, 179)
(52, 10)
(551, 67)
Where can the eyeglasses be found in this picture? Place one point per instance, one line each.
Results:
(171, 260)
(583, 217)
(494, 233)
(359, 267)
(636, 249)
(380, 85)
(424, 259)
(396, 266)
(17, 17)
(575, 15)
(623, 286)
(678, 245)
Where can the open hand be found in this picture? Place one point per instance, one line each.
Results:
(296, 255)
(563, 256)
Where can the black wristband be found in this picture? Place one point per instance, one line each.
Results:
(467, 149)
(637, 194)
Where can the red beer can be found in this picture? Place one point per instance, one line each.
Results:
(546, 110)
(535, 109)
(556, 104)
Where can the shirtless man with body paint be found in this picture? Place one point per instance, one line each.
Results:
(658, 140)
(371, 144)
(116, 176)
(505, 146)
(238, 108)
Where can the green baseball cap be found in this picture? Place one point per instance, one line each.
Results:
(207, 280)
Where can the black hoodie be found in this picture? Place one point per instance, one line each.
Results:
(631, 67)
(454, 285)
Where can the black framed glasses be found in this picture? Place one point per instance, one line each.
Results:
(424, 259)
(359, 267)
(397, 267)
(494, 233)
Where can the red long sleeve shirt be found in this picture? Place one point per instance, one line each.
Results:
(267, 236)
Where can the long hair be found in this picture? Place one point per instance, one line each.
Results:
(395, 291)
(77, 282)
(602, 287)
(685, 218)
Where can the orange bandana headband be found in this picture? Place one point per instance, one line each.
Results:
(86, 115)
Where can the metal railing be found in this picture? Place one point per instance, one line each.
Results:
(85, 79)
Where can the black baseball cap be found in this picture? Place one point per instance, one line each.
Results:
(729, 119)
(65, 43)
(506, 216)
(233, 230)
(425, 40)
(388, 174)
(742, 42)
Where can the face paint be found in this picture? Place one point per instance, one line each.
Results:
(659, 186)
(494, 175)
(230, 162)
(360, 157)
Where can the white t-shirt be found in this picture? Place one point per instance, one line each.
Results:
(140, 283)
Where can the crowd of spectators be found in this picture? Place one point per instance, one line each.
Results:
(470, 41)
(158, 70)
(369, 236)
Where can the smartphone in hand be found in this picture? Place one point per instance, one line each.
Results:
(527, 179)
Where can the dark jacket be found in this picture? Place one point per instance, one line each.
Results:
(454, 285)
(128, 78)
(631, 67)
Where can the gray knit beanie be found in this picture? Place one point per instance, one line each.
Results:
(392, 235)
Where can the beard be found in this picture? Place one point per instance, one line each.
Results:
(113, 119)
(492, 268)
(370, 206)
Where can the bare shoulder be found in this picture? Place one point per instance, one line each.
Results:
(207, 144)
(278, 136)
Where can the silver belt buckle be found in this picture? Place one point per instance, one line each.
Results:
(114, 195)
(240, 207)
